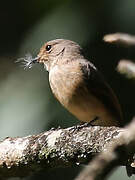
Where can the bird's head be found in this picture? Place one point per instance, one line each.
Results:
(52, 53)
(57, 51)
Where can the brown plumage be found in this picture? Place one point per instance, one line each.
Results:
(78, 85)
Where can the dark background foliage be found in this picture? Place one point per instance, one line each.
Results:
(27, 105)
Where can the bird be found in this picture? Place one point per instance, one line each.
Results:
(78, 85)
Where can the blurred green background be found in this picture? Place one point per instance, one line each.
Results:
(27, 105)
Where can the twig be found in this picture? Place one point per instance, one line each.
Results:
(119, 151)
(126, 67)
(120, 39)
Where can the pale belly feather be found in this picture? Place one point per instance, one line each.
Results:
(73, 95)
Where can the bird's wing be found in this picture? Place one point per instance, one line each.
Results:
(96, 84)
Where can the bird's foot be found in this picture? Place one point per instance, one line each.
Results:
(84, 124)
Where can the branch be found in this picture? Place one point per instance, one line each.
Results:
(117, 153)
(19, 157)
(120, 39)
(126, 67)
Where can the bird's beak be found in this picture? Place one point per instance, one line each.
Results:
(42, 58)
(35, 60)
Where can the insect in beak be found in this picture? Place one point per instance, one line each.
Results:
(28, 61)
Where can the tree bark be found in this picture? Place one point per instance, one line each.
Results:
(20, 157)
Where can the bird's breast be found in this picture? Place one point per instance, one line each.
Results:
(64, 81)
(68, 86)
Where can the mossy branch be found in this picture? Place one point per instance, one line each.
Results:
(20, 157)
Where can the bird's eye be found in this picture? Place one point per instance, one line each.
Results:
(48, 47)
